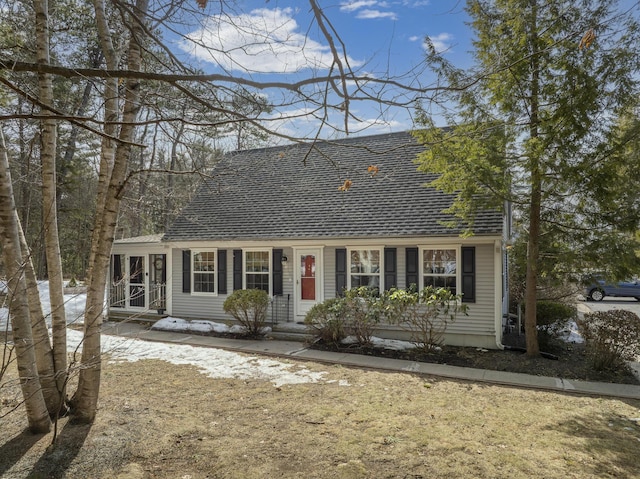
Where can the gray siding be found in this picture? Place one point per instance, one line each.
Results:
(476, 329)
(481, 318)
(188, 305)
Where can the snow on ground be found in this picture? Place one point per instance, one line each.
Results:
(216, 363)
(73, 306)
(199, 326)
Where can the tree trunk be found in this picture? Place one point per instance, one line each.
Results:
(533, 250)
(85, 400)
(111, 112)
(37, 413)
(170, 178)
(49, 203)
(53, 398)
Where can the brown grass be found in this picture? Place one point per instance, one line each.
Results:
(158, 420)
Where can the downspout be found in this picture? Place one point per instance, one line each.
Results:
(498, 268)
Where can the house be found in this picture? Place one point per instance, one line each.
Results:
(303, 222)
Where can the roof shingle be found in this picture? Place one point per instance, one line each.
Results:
(293, 192)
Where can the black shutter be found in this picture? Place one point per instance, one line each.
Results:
(117, 268)
(390, 268)
(186, 271)
(341, 271)
(164, 269)
(277, 272)
(468, 274)
(237, 269)
(413, 262)
(222, 271)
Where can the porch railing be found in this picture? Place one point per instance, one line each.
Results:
(117, 295)
(158, 296)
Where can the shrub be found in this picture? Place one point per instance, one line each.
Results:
(425, 314)
(611, 338)
(326, 320)
(355, 314)
(362, 313)
(553, 318)
(249, 308)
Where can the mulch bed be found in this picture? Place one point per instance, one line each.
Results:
(570, 359)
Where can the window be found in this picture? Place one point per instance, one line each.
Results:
(204, 271)
(364, 268)
(257, 266)
(440, 268)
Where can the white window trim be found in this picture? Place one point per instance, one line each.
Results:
(244, 266)
(457, 247)
(215, 272)
(380, 249)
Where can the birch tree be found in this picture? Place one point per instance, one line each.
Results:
(85, 400)
(48, 152)
(36, 408)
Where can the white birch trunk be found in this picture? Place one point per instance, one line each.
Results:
(49, 202)
(41, 342)
(111, 112)
(85, 400)
(37, 413)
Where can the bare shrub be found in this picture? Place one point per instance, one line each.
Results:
(425, 314)
(611, 337)
(249, 308)
(362, 312)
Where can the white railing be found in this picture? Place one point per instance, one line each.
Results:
(158, 296)
(117, 295)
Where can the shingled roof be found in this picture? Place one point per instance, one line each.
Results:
(292, 192)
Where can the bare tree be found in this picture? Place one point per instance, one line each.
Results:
(85, 400)
(48, 151)
(37, 413)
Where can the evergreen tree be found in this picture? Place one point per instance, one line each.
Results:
(536, 121)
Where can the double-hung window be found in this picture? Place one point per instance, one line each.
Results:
(257, 269)
(365, 266)
(203, 270)
(440, 268)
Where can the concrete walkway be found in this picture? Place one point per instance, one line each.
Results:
(298, 350)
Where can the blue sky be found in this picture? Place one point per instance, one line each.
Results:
(382, 38)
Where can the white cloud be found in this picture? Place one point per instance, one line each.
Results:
(441, 42)
(414, 38)
(355, 5)
(261, 41)
(369, 14)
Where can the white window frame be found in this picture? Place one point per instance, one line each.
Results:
(269, 273)
(380, 251)
(456, 248)
(194, 252)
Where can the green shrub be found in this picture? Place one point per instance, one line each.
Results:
(326, 320)
(611, 338)
(249, 308)
(425, 314)
(355, 314)
(553, 318)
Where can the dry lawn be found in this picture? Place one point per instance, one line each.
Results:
(158, 420)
